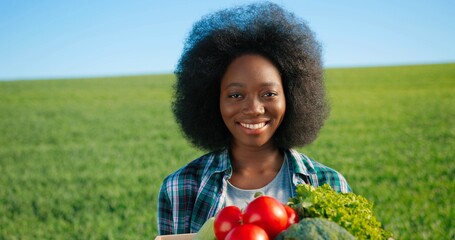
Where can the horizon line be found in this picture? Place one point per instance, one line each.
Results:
(171, 72)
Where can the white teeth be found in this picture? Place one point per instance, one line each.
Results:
(253, 126)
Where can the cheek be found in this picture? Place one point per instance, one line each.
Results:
(227, 111)
(280, 109)
(283, 109)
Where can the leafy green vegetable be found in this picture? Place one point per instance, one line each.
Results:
(315, 229)
(352, 212)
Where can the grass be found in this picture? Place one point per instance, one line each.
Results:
(84, 158)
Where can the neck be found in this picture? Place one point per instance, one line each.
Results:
(262, 158)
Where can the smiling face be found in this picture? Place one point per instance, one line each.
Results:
(252, 101)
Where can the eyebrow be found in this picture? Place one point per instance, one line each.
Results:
(265, 84)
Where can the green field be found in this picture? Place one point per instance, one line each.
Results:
(84, 158)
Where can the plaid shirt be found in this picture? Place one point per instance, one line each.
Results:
(196, 192)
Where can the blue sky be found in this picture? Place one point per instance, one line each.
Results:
(89, 38)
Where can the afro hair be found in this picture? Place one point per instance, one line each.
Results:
(261, 28)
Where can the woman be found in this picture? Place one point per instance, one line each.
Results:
(249, 89)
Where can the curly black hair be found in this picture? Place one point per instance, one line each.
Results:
(260, 28)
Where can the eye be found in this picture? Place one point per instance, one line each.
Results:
(235, 95)
(270, 94)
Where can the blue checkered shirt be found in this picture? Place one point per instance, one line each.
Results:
(196, 192)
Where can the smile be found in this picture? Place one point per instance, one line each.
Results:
(253, 126)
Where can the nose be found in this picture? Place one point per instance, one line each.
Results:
(253, 106)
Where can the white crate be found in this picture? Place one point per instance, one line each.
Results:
(188, 236)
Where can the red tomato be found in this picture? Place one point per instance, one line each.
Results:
(268, 213)
(227, 219)
(247, 232)
(292, 215)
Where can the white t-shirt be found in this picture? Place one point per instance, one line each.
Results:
(279, 188)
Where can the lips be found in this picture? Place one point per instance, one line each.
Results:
(253, 126)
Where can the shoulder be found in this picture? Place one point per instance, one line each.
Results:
(318, 173)
(192, 174)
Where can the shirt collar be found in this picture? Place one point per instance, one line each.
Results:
(220, 162)
(300, 163)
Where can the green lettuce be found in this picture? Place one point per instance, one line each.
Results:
(352, 212)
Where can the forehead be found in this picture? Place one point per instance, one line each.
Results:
(249, 69)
